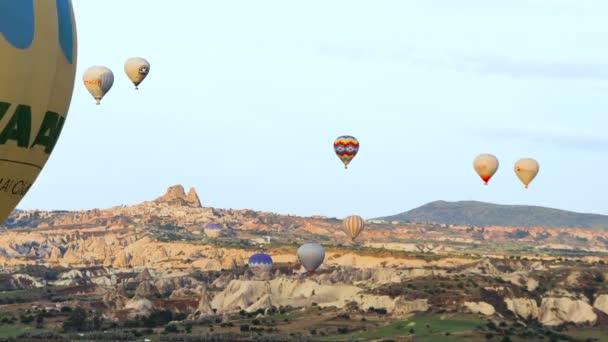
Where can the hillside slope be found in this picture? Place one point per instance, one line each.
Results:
(487, 214)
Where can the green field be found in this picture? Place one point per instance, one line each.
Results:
(438, 326)
(13, 330)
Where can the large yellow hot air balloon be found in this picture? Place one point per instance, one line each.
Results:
(98, 80)
(353, 225)
(485, 165)
(38, 48)
(137, 69)
(526, 169)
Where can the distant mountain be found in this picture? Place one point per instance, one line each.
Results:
(488, 214)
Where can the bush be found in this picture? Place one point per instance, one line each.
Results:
(245, 327)
(171, 328)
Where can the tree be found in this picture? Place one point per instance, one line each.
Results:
(39, 322)
(76, 321)
(97, 321)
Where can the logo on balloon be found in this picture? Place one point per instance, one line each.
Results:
(143, 70)
(18, 29)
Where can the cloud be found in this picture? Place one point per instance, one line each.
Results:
(468, 62)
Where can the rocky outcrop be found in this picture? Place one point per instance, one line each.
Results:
(525, 308)
(555, 311)
(252, 295)
(146, 289)
(480, 307)
(204, 305)
(601, 303)
(138, 306)
(176, 196)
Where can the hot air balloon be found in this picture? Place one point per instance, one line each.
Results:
(346, 147)
(38, 54)
(353, 225)
(311, 256)
(260, 263)
(213, 230)
(137, 69)
(98, 80)
(526, 169)
(485, 165)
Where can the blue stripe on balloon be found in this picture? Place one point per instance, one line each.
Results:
(17, 22)
(66, 29)
(260, 258)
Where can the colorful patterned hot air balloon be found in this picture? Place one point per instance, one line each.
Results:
(38, 50)
(485, 165)
(260, 263)
(311, 256)
(526, 169)
(346, 147)
(353, 225)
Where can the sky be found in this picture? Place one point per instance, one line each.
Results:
(244, 100)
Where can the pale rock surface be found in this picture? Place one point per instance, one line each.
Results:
(480, 307)
(601, 303)
(523, 307)
(554, 311)
(139, 307)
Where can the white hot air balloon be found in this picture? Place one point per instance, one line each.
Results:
(311, 256)
(98, 80)
(526, 170)
(137, 69)
(485, 165)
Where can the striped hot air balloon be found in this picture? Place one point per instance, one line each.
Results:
(353, 225)
(260, 263)
(346, 147)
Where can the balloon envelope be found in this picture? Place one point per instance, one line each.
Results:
(311, 256)
(526, 169)
(353, 225)
(346, 147)
(485, 165)
(213, 230)
(98, 80)
(137, 69)
(38, 55)
(260, 263)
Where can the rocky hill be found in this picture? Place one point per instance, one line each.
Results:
(487, 214)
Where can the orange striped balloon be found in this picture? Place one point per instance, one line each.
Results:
(353, 225)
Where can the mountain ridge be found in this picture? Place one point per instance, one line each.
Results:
(477, 213)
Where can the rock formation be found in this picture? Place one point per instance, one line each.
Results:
(523, 307)
(204, 305)
(601, 303)
(176, 196)
(555, 311)
(480, 307)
